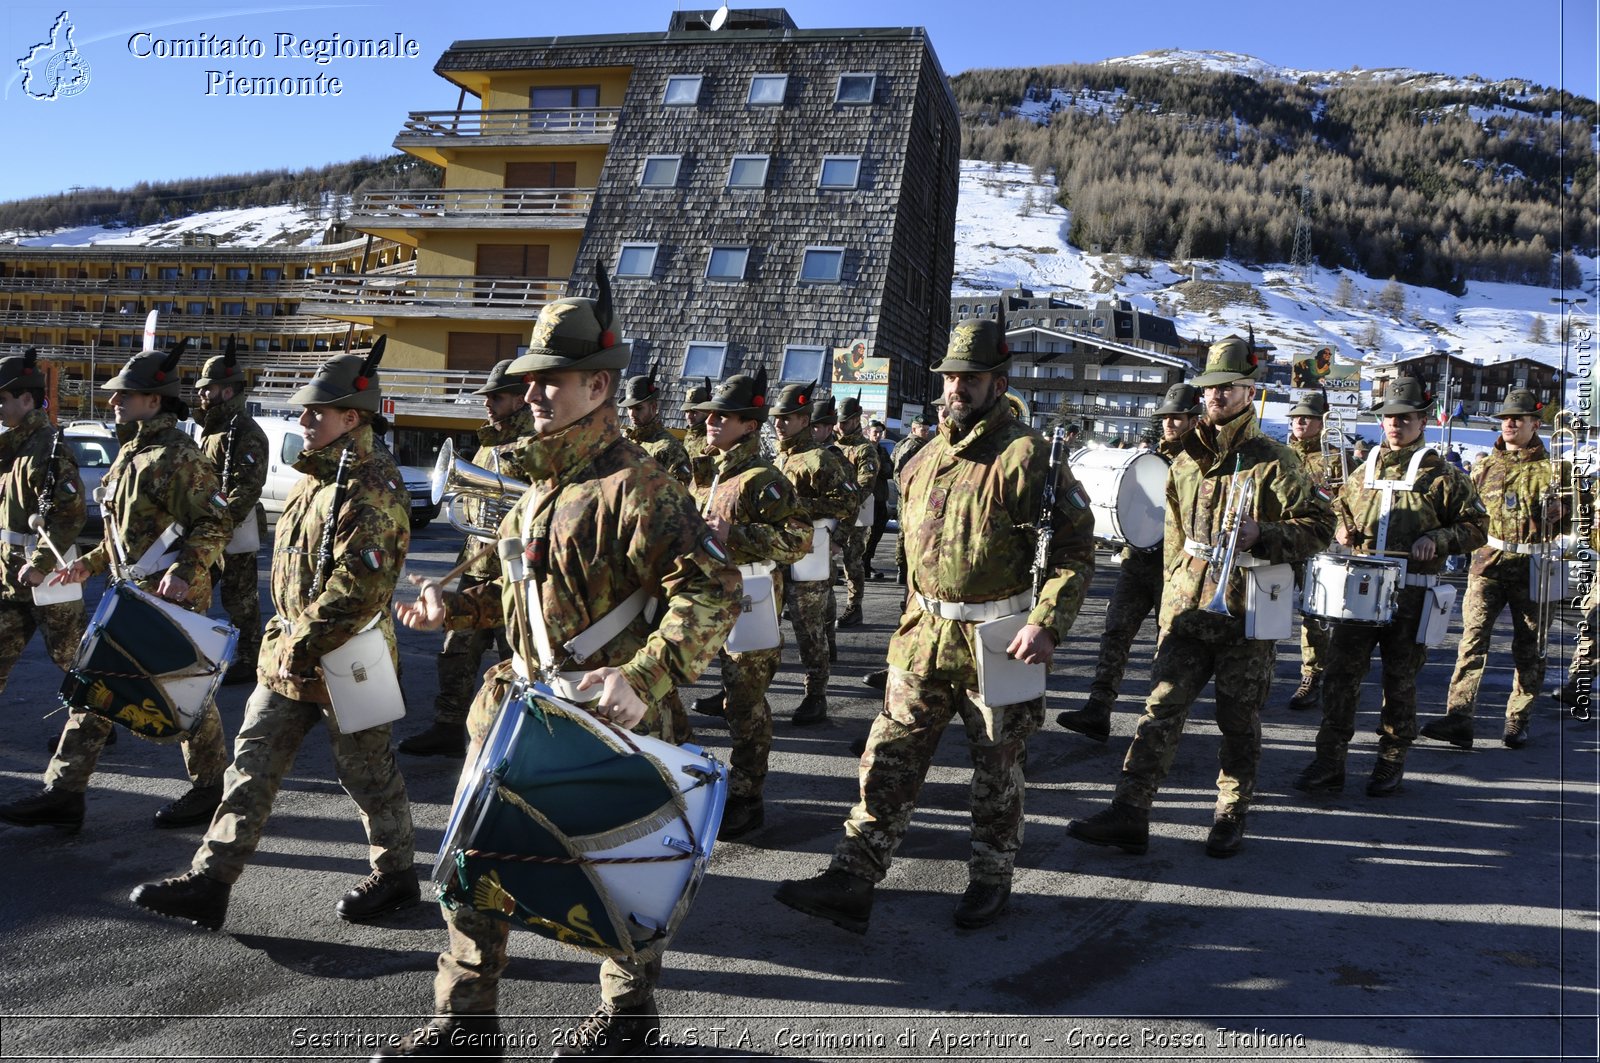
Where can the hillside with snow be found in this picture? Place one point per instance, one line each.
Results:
(281, 226)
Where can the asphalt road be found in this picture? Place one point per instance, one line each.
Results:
(1453, 921)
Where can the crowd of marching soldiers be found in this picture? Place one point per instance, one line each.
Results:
(787, 491)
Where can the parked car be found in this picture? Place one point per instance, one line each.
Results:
(285, 441)
(95, 446)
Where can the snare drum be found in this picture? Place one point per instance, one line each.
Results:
(579, 831)
(148, 664)
(1352, 590)
(1127, 494)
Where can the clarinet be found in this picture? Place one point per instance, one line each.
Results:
(47, 494)
(1044, 526)
(325, 547)
(227, 456)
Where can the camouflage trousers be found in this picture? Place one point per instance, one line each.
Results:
(235, 577)
(811, 613)
(205, 751)
(855, 563)
(469, 970)
(1137, 594)
(1314, 634)
(273, 729)
(1487, 597)
(899, 750)
(745, 678)
(1349, 660)
(62, 625)
(1242, 672)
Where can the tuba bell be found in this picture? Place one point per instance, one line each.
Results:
(456, 478)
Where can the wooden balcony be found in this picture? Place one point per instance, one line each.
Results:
(294, 324)
(471, 297)
(423, 393)
(429, 134)
(472, 208)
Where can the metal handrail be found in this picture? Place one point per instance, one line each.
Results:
(510, 123)
(444, 291)
(437, 202)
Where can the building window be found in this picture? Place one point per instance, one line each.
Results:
(563, 108)
(636, 260)
(660, 171)
(768, 89)
(840, 171)
(134, 273)
(233, 309)
(271, 273)
(727, 263)
(802, 364)
(167, 273)
(747, 171)
(683, 90)
(704, 359)
(855, 88)
(201, 273)
(265, 310)
(822, 265)
(197, 307)
(238, 273)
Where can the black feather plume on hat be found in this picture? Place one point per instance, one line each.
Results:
(650, 377)
(30, 358)
(374, 356)
(174, 356)
(603, 309)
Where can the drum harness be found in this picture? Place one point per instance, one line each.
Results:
(1371, 482)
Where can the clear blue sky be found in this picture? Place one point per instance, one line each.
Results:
(151, 118)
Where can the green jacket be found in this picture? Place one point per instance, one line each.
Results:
(663, 446)
(694, 440)
(822, 481)
(610, 521)
(243, 479)
(161, 478)
(1316, 462)
(862, 456)
(967, 514)
(24, 467)
(1295, 519)
(1443, 505)
(367, 545)
(497, 445)
(1513, 486)
(767, 521)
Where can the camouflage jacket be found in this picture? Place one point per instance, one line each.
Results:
(903, 452)
(160, 478)
(694, 440)
(1296, 521)
(243, 481)
(822, 481)
(1442, 505)
(663, 446)
(1315, 461)
(1512, 486)
(967, 513)
(24, 468)
(861, 454)
(766, 520)
(607, 521)
(367, 545)
(497, 446)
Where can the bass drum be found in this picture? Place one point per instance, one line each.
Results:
(1127, 494)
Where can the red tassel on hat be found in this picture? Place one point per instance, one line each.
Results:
(361, 383)
(608, 338)
(759, 401)
(800, 400)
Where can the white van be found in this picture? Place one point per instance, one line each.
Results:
(285, 441)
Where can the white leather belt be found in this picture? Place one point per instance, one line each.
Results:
(1519, 548)
(563, 683)
(976, 612)
(757, 568)
(11, 538)
(1421, 580)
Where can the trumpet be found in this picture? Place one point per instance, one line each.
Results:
(1335, 446)
(456, 478)
(1241, 501)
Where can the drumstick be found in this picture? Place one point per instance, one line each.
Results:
(453, 573)
(36, 522)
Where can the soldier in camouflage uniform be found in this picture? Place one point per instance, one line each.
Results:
(237, 448)
(921, 431)
(38, 478)
(971, 502)
(863, 456)
(1139, 583)
(827, 492)
(1305, 439)
(1514, 481)
(462, 654)
(585, 477)
(1289, 522)
(694, 438)
(159, 479)
(1429, 511)
(824, 419)
(756, 517)
(641, 400)
(340, 544)
(880, 497)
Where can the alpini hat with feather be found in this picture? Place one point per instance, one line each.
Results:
(638, 390)
(347, 381)
(151, 372)
(575, 333)
(224, 370)
(1311, 404)
(977, 347)
(19, 374)
(500, 379)
(1180, 399)
(1403, 395)
(794, 398)
(700, 392)
(1520, 402)
(742, 394)
(823, 411)
(1229, 361)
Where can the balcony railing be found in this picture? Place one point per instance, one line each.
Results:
(177, 323)
(417, 392)
(433, 296)
(555, 121)
(438, 204)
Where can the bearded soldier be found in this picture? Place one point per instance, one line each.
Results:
(166, 523)
(1522, 489)
(827, 492)
(752, 510)
(603, 521)
(972, 499)
(1287, 523)
(694, 439)
(1305, 439)
(340, 544)
(38, 479)
(237, 448)
(1139, 583)
(863, 456)
(458, 662)
(1409, 501)
(641, 401)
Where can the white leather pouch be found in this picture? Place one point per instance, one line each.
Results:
(1438, 603)
(246, 536)
(1268, 602)
(1002, 679)
(757, 626)
(45, 594)
(815, 565)
(362, 683)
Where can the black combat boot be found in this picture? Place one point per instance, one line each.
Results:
(837, 896)
(613, 1033)
(982, 904)
(851, 616)
(449, 1037)
(50, 807)
(1386, 776)
(440, 740)
(1454, 728)
(379, 892)
(1125, 826)
(198, 898)
(712, 705)
(1092, 719)
(741, 816)
(1308, 695)
(1324, 775)
(878, 680)
(1515, 735)
(1227, 835)
(192, 809)
(813, 709)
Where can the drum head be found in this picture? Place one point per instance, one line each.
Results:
(1142, 501)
